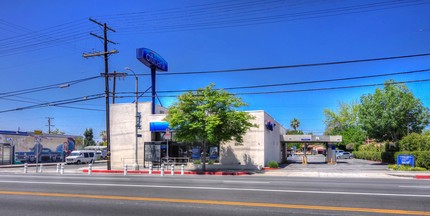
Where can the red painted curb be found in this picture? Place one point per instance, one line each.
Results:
(155, 172)
(422, 176)
(268, 168)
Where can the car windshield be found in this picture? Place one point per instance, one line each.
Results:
(74, 154)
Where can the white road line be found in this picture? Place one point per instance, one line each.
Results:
(220, 188)
(425, 187)
(67, 177)
(247, 182)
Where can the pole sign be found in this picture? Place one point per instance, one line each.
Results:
(406, 159)
(151, 59)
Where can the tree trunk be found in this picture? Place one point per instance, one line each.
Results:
(204, 150)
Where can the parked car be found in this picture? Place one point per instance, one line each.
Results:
(344, 155)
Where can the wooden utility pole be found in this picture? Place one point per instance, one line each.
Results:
(106, 74)
(49, 124)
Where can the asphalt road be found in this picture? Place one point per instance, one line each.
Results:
(51, 194)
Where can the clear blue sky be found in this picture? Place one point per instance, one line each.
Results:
(42, 42)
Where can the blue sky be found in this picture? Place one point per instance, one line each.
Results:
(41, 43)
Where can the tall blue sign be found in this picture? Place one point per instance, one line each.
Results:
(151, 59)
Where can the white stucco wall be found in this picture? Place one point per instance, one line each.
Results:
(122, 123)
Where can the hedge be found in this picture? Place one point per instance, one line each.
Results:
(422, 158)
(387, 157)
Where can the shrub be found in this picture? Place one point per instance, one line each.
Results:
(197, 162)
(273, 164)
(422, 158)
(405, 168)
(210, 162)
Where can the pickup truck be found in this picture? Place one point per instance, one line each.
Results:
(45, 155)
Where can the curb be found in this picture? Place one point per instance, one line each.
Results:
(157, 172)
(422, 176)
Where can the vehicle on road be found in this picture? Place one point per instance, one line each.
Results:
(344, 155)
(81, 156)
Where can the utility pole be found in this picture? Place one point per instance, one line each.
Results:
(49, 124)
(106, 54)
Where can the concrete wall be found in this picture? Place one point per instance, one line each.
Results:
(272, 140)
(122, 123)
(259, 146)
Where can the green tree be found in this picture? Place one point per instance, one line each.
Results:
(392, 113)
(345, 122)
(295, 123)
(103, 136)
(208, 116)
(89, 137)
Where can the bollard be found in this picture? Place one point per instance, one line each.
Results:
(41, 168)
(58, 168)
(162, 170)
(125, 169)
(182, 169)
(150, 169)
(90, 169)
(62, 169)
(25, 168)
(172, 169)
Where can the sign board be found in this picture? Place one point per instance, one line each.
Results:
(151, 59)
(305, 139)
(38, 132)
(167, 135)
(406, 160)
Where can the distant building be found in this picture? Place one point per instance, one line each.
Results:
(29, 147)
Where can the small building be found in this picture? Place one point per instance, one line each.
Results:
(260, 145)
(29, 147)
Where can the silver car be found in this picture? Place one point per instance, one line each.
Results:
(344, 155)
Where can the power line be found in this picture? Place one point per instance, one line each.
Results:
(47, 87)
(304, 90)
(293, 66)
(314, 81)
(57, 103)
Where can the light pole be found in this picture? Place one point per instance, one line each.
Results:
(136, 164)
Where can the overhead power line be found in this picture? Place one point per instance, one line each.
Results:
(43, 88)
(292, 66)
(302, 90)
(57, 103)
(315, 81)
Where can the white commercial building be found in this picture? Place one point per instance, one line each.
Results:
(260, 145)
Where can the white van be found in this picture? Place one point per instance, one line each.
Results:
(81, 156)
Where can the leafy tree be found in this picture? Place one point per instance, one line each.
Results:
(208, 116)
(89, 137)
(415, 142)
(295, 123)
(103, 136)
(345, 122)
(392, 112)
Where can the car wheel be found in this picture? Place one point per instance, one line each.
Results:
(338, 157)
(78, 162)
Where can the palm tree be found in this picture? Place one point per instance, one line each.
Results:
(295, 123)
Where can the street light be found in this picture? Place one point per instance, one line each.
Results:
(136, 164)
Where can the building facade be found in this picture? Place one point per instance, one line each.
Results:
(260, 145)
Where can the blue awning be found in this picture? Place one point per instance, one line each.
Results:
(158, 126)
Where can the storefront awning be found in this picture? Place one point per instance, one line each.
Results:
(158, 126)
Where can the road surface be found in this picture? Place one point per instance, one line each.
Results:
(50, 194)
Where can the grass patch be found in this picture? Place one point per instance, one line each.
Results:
(405, 168)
